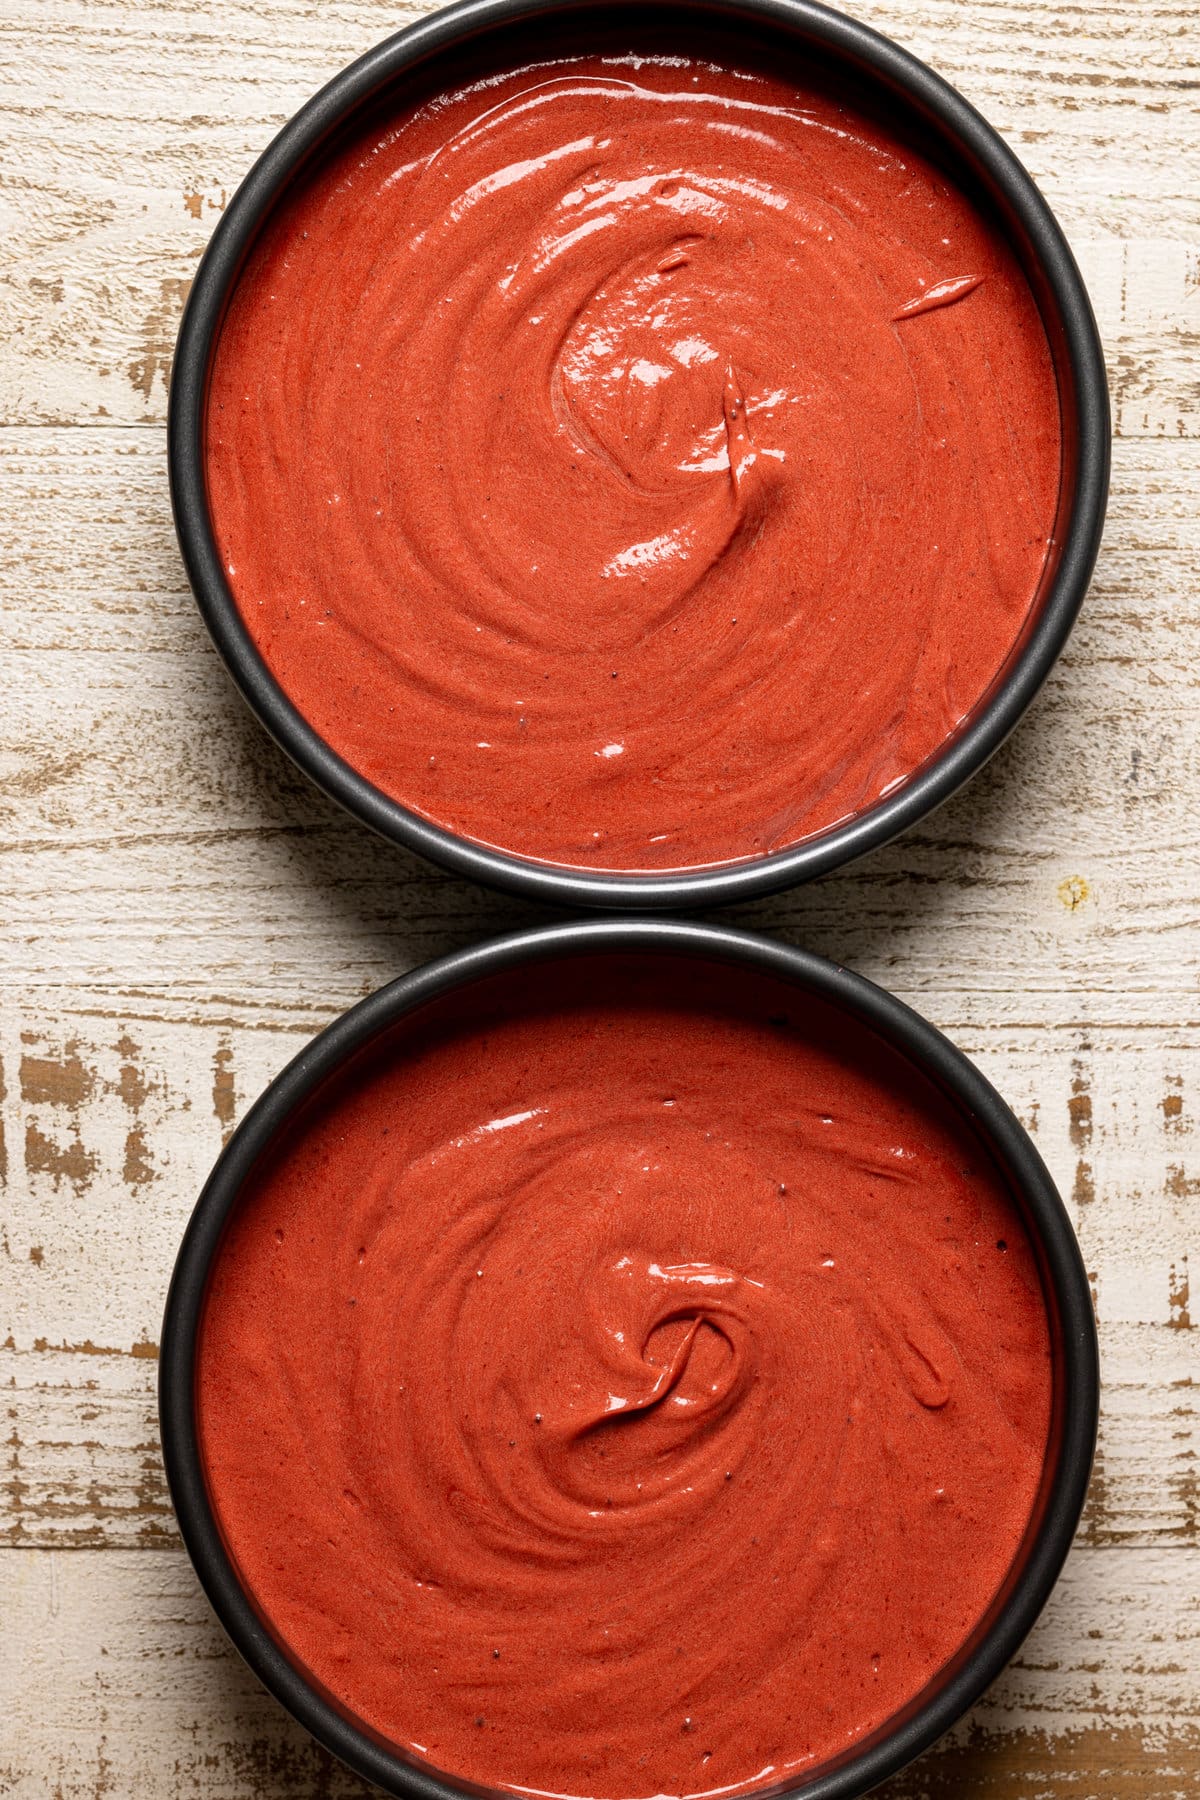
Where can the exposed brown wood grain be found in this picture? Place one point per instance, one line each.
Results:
(1035, 1765)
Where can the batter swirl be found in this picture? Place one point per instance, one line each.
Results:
(619, 1393)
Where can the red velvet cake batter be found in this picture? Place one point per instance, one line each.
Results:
(634, 1381)
(632, 462)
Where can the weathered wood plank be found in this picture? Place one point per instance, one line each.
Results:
(82, 1468)
(81, 1458)
(112, 1118)
(113, 1113)
(1099, 101)
(181, 847)
(1102, 1701)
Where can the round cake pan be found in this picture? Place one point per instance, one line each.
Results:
(1075, 1378)
(953, 133)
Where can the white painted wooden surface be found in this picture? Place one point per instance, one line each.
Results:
(182, 910)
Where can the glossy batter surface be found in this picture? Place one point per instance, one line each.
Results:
(635, 1385)
(633, 463)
